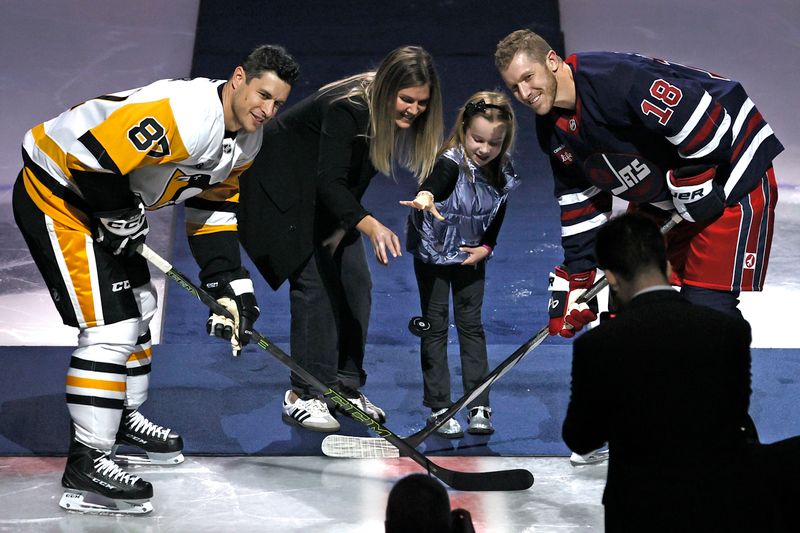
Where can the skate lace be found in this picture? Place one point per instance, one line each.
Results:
(106, 467)
(138, 422)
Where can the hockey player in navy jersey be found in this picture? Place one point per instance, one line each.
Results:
(89, 177)
(663, 137)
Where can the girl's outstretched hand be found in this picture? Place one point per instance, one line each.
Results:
(423, 202)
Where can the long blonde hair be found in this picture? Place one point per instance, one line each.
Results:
(498, 110)
(415, 148)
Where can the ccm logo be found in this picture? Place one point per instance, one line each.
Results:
(120, 285)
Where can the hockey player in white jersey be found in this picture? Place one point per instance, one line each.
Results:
(89, 177)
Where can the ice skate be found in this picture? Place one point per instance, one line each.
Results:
(162, 446)
(96, 485)
(591, 458)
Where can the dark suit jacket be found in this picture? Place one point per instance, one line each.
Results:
(307, 180)
(667, 385)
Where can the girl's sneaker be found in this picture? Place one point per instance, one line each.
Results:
(450, 429)
(480, 421)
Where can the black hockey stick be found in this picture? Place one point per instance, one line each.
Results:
(516, 479)
(369, 447)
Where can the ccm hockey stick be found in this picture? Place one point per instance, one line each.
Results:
(369, 447)
(516, 479)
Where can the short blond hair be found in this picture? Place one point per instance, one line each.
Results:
(532, 44)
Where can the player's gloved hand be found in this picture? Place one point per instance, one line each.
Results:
(121, 230)
(695, 194)
(234, 291)
(566, 316)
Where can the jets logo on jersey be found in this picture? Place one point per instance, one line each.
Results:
(750, 260)
(149, 136)
(630, 177)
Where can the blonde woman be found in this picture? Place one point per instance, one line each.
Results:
(301, 217)
(451, 232)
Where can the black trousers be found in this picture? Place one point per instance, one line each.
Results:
(330, 301)
(467, 283)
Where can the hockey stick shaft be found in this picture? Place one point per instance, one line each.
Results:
(517, 479)
(601, 284)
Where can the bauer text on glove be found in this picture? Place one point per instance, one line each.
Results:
(695, 194)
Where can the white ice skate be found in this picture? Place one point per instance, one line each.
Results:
(591, 458)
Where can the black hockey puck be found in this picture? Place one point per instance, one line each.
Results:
(419, 326)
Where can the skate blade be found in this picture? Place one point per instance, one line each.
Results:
(592, 458)
(85, 502)
(158, 459)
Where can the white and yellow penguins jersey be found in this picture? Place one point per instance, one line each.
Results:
(168, 137)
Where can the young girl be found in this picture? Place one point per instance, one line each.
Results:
(451, 231)
(301, 217)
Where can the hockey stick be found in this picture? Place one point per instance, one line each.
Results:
(516, 479)
(369, 447)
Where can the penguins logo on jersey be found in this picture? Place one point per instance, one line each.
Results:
(182, 186)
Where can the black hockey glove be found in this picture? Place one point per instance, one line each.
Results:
(121, 230)
(695, 194)
(234, 291)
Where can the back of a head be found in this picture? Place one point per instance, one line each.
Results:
(630, 245)
(418, 503)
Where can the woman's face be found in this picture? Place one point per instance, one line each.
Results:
(411, 102)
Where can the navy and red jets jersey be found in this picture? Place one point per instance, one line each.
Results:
(636, 118)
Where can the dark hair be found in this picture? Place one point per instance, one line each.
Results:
(418, 503)
(271, 57)
(630, 244)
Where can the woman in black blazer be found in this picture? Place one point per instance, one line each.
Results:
(301, 218)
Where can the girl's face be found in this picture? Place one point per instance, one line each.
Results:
(483, 140)
(411, 102)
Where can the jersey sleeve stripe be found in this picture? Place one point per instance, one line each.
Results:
(576, 198)
(714, 142)
(589, 225)
(193, 230)
(747, 157)
(697, 114)
(707, 129)
(99, 152)
(741, 117)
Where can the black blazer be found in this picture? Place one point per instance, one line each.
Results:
(667, 385)
(307, 180)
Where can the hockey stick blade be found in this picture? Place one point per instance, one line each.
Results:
(515, 479)
(370, 447)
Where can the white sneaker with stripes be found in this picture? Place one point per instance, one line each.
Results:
(309, 413)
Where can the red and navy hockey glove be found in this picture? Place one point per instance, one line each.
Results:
(234, 291)
(695, 194)
(566, 316)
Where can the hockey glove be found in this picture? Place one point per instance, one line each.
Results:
(234, 291)
(566, 316)
(695, 194)
(120, 231)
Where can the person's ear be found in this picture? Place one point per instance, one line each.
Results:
(552, 60)
(613, 281)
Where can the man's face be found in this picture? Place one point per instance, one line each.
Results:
(531, 82)
(256, 102)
